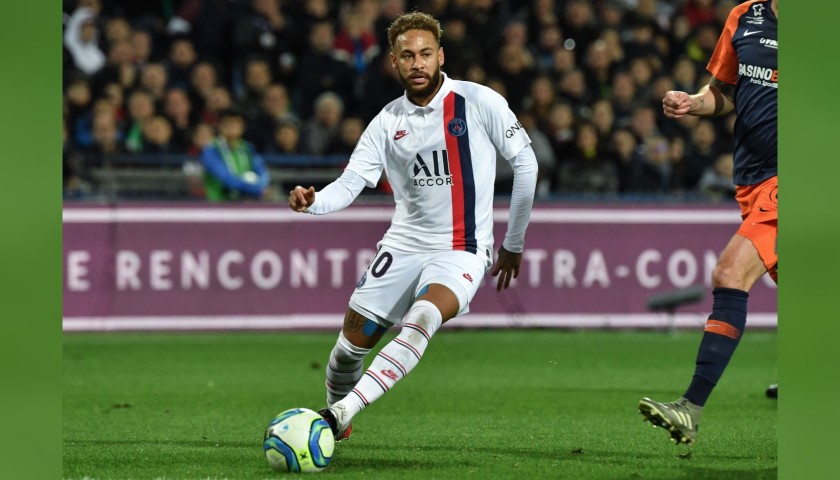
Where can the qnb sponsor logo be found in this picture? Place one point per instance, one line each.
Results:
(432, 171)
(769, 42)
(767, 77)
(513, 130)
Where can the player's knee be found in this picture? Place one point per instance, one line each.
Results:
(427, 315)
(727, 276)
(346, 352)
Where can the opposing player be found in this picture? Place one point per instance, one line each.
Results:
(437, 145)
(744, 77)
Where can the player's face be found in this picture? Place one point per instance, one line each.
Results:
(417, 57)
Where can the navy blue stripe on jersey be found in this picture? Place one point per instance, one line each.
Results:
(467, 176)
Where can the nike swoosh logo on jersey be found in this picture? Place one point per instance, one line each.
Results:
(400, 134)
(747, 33)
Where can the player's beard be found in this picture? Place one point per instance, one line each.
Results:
(420, 93)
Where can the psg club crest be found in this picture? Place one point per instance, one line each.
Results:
(457, 127)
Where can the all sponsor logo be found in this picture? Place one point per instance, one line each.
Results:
(468, 277)
(432, 173)
(390, 374)
(400, 134)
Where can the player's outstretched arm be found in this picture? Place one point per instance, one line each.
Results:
(300, 198)
(716, 98)
(507, 263)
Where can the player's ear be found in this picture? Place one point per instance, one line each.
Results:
(393, 60)
(440, 56)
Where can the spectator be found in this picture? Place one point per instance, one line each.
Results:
(81, 38)
(603, 117)
(154, 80)
(219, 100)
(178, 110)
(684, 74)
(461, 49)
(141, 109)
(627, 158)
(141, 47)
(349, 133)
(356, 42)
(579, 25)
(561, 130)
(623, 97)
(200, 137)
(563, 61)
(119, 68)
(550, 40)
(700, 155)
(182, 58)
(598, 67)
(203, 79)
(322, 70)
(258, 78)
(106, 139)
(286, 139)
(589, 171)
(516, 70)
(717, 181)
(78, 99)
(264, 30)
(319, 132)
(232, 168)
(541, 100)
(157, 136)
(573, 89)
(275, 108)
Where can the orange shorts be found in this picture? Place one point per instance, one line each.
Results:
(760, 214)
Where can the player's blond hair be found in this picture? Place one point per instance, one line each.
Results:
(413, 21)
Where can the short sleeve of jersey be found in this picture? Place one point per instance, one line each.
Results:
(504, 130)
(367, 159)
(724, 62)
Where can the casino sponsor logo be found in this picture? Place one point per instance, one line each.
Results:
(432, 172)
(766, 77)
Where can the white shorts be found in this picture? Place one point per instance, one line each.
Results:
(393, 280)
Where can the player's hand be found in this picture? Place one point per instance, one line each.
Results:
(300, 199)
(507, 264)
(676, 104)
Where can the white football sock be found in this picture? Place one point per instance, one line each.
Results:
(344, 368)
(396, 359)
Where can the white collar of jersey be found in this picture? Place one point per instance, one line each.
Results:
(436, 102)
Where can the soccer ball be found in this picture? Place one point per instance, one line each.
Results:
(298, 440)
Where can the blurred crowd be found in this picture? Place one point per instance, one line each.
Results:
(585, 77)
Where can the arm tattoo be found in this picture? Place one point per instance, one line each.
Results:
(719, 90)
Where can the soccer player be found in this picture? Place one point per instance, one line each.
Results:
(437, 145)
(744, 77)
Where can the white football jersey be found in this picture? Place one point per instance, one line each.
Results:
(441, 163)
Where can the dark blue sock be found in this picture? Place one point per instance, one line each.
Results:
(723, 332)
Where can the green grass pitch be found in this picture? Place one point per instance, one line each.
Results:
(492, 404)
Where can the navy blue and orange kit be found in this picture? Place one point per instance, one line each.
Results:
(746, 56)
